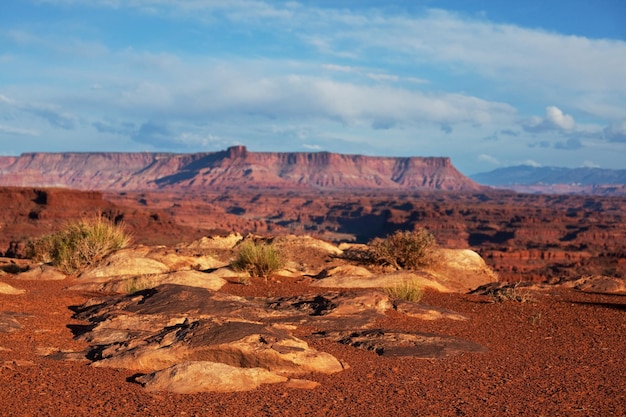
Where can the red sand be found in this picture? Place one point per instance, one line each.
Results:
(560, 356)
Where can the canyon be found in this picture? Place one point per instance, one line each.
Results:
(233, 169)
(168, 198)
(169, 315)
(523, 237)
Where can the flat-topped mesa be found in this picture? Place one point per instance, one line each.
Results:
(234, 168)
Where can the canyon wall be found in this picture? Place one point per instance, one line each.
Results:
(234, 168)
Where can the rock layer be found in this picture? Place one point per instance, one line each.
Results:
(235, 168)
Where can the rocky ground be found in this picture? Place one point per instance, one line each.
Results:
(556, 351)
(523, 237)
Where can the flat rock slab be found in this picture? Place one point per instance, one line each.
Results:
(358, 309)
(601, 284)
(9, 322)
(235, 343)
(426, 312)
(416, 345)
(203, 376)
(43, 272)
(10, 290)
(189, 339)
(128, 285)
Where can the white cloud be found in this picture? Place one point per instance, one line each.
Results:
(18, 131)
(6, 100)
(53, 114)
(554, 120)
(532, 163)
(590, 164)
(488, 159)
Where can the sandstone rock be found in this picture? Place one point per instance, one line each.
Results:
(216, 242)
(10, 290)
(601, 284)
(382, 281)
(457, 270)
(332, 310)
(425, 312)
(417, 345)
(8, 321)
(124, 264)
(42, 273)
(302, 384)
(177, 262)
(202, 376)
(345, 270)
(461, 270)
(236, 343)
(162, 329)
(191, 278)
(308, 243)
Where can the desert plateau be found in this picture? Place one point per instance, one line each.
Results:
(520, 308)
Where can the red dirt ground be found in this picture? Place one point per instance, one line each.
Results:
(562, 355)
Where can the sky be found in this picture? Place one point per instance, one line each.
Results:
(487, 83)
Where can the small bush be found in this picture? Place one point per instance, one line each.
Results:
(259, 259)
(404, 249)
(509, 293)
(139, 283)
(79, 244)
(408, 290)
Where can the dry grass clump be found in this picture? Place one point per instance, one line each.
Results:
(139, 283)
(79, 244)
(404, 249)
(259, 259)
(409, 290)
(510, 293)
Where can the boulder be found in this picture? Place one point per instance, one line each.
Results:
(203, 376)
(177, 262)
(42, 272)
(461, 270)
(10, 290)
(601, 284)
(215, 242)
(381, 280)
(124, 264)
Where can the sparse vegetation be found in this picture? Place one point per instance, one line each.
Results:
(510, 293)
(79, 244)
(409, 290)
(139, 283)
(404, 249)
(259, 259)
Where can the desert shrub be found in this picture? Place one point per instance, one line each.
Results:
(404, 249)
(79, 244)
(139, 283)
(41, 249)
(409, 290)
(259, 259)
(509, 293)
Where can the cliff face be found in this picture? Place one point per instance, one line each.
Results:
(233, 168)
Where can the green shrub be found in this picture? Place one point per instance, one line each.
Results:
(404, 249)
(258, 259)
(79, 244)
(409, 290)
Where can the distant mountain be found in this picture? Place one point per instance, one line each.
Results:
(526, 178)
(234, 168)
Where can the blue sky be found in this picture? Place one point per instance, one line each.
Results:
(487, 83)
